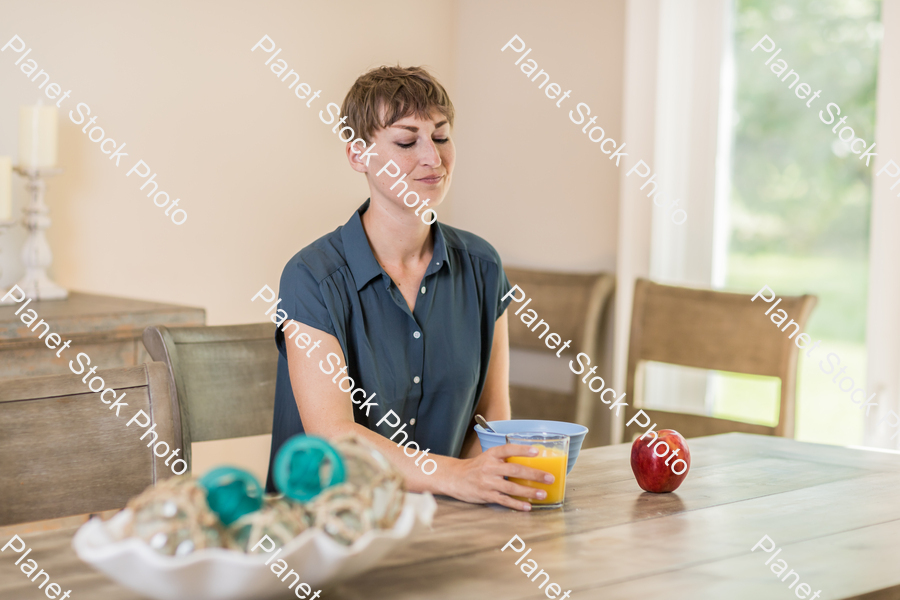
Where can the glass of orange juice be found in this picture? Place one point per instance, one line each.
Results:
(553, 455)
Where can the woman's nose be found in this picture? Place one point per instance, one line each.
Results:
(430, 156)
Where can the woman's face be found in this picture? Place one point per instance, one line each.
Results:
(422, 149)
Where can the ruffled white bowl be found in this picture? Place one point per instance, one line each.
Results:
(218, 574)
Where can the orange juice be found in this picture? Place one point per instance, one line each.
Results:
(550, 460)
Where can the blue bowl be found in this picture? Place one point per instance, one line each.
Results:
(575, 432)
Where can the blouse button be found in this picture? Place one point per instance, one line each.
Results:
(423, 289)
(417, 335)
(416, 379)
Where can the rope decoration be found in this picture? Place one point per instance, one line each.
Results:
(174, 519)
(348, 488)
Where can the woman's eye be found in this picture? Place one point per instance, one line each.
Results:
(413, 143)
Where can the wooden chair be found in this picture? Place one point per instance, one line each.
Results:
(223, 377)
(573, 305)
(712, 330)
(63, 452)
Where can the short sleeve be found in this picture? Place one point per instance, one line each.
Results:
(504, 298)
(302, 300)
(496, 282)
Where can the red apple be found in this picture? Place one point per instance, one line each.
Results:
(648, 461)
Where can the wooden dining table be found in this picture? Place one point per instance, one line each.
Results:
(833, 512)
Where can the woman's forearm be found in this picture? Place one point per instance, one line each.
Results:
(438, 482)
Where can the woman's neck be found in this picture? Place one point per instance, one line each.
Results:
(397, 240)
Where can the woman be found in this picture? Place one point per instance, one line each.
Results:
(406, 317)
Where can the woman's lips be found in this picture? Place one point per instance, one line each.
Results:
(431, 180)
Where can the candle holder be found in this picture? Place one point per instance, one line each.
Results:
(4, 225)
(36, 254)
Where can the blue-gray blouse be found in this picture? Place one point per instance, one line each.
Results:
(428, 365)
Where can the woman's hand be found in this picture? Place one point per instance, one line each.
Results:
(481, 480)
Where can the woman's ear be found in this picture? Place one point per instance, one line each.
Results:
(354, 153)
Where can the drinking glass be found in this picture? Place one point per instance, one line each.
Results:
(553, 455)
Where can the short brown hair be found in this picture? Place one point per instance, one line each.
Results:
(397, 92)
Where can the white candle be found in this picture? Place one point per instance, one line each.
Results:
(5, 188)
(37, 137)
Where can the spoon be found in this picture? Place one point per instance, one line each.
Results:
(480, 420)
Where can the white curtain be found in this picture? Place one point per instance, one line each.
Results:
(883, 330)
(677, 53)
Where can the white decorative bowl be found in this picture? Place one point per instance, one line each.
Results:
(219, 574)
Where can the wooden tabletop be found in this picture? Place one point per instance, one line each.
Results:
(107, 328)
(834, 512)
(81, 314)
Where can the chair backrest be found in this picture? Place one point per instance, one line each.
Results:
(63, 452)
(713, 330)
(223, 377)
(573, 304)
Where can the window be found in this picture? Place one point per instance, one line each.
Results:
(787, 204)
(799, 202)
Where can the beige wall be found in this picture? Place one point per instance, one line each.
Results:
(527, 178)
(260, 176)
